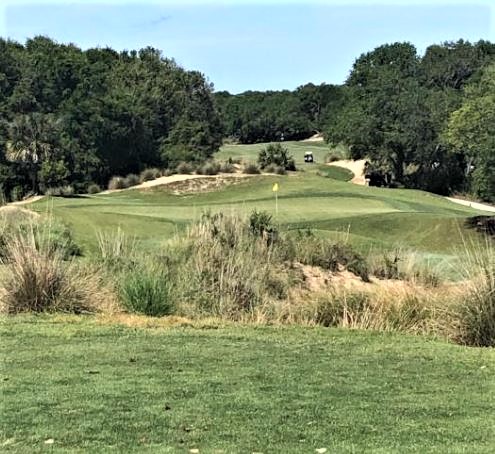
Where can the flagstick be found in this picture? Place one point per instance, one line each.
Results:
(276, 203)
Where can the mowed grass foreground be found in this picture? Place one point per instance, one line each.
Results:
(86, 386)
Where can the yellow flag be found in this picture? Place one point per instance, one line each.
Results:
(275, 187)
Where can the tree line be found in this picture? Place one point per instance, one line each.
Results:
(255, 117)
(422, 121)
(426, 121)
(73, 117)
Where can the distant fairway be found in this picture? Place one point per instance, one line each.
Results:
(374, 217)
(297, 149)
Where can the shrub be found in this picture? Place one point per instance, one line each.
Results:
(68, 191)
(227, 167)
(332, 157)
(209, 168)
(260, 222)
(184, 168)
(60, 191)
(39, 280)
(54, 192)
(146, 290)
(251, 169)
(117, 183)
(149, 174)
(168, 172)
(131, 180)
(93, 189)
(276, 154)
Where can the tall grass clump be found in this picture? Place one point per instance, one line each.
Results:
(38, 279)
(146, 289)
(472, 317)
(115, 250)
(227, 271)
(399, 308)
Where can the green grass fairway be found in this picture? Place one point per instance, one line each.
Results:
(375, 217)
(94, 388)
(297, 149)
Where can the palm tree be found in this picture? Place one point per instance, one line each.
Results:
(32, 139)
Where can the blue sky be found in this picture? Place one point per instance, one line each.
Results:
(257, 45)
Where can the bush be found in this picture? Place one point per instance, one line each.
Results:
(260, 222)
(251, 169)
(332, 157)
(60, 191)
(149, 174)
(227, 167)
(39, 280)
(146, 290)
(209, 168)
(54, 192)
(168, 172)
(117, 183)
(184, 168)
(131, 180)
(277, 155)
(93, 189)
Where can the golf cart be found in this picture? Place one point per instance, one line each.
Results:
(308, 156)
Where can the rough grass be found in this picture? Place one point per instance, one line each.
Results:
(100, 388)
(38, 278)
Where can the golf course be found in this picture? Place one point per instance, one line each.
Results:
(273, 236)
(317, 196)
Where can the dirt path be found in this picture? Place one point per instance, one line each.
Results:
(475, 205)
(356, 167)
(33, 199)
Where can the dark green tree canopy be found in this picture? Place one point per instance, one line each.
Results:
(115, 113)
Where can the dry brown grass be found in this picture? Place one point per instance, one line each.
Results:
(38, 279)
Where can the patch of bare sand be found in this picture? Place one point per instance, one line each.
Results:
(356, 167)
(317, 280)
(165, 181)
(205, 184)
(315, 138)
